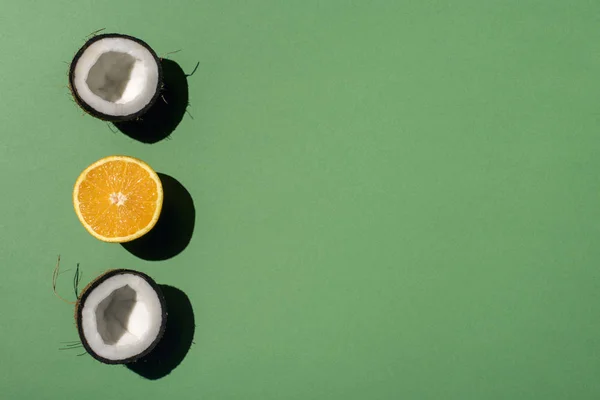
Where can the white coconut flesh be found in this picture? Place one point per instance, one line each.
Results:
(116, 76)
(121, 317)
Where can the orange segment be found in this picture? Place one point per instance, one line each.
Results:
(118, 198)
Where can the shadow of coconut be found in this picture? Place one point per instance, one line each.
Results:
(168, 111)
(176, 341)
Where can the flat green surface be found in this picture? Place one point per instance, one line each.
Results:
(394, 199)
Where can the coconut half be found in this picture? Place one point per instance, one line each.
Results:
(115, 77)
(121, 316)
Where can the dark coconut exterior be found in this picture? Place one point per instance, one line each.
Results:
(89, 289)
(97, 114)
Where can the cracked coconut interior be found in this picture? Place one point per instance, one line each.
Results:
(121, 317)
(116, 76)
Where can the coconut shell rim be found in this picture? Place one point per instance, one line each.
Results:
(92, 111)
(95, 283)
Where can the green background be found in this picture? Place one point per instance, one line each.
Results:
(394, 199)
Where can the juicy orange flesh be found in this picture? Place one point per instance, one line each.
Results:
(110, 184)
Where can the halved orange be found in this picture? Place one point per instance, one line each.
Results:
(118, 198)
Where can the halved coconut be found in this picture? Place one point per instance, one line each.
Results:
(115, 77)
(121, 316)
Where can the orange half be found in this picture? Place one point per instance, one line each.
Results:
(118, 198)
